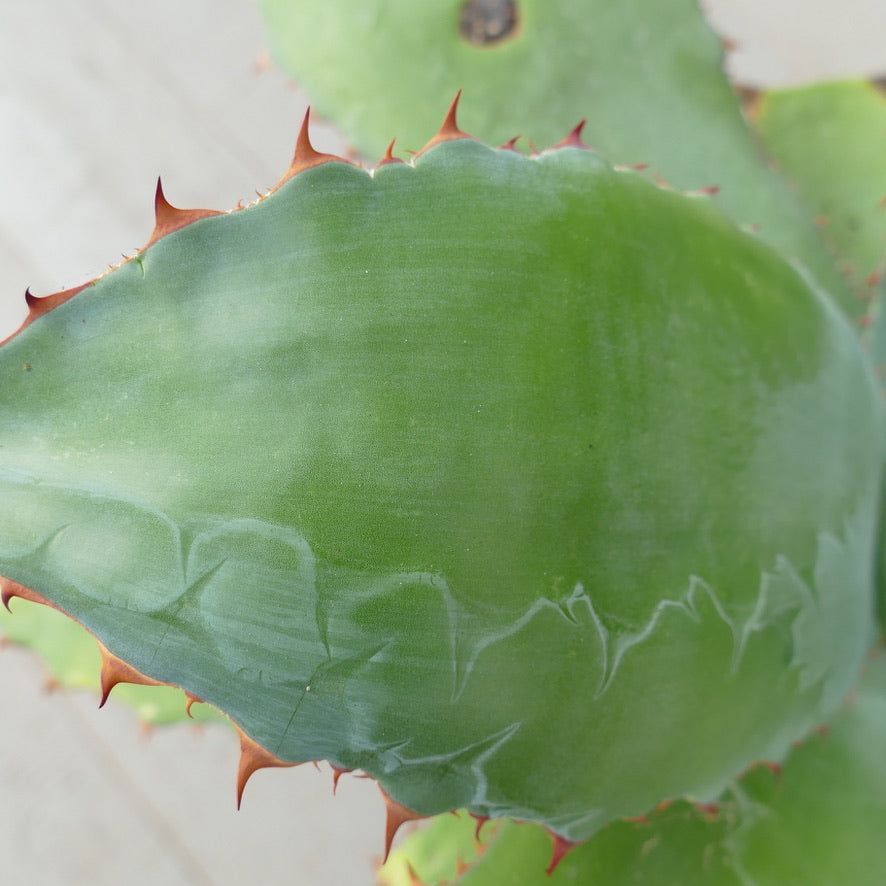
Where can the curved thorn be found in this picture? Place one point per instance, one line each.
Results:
(449, 127)
(448, 130)
(561, 847)
(38, 305)
(396, 816)
(510, 144)
(337, 773)
(306, 156)
(114, 670)
(190, 701)
(10, 589)
(389, 155)
(574, 139)
(481, 820)
(253, 757)
(162, 207)
(169, 218)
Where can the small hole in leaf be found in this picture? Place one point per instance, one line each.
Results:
(484, 22)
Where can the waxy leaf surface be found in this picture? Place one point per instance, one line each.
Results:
(521, 484)
(817, 821)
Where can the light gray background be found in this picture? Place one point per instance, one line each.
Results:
(97, 98)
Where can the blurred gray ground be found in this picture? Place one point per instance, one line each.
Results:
(96, 98)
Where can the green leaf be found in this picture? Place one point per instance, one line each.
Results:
(830, 141)
(816, 822)
(646, 74)
(519, 483)
(73, 661)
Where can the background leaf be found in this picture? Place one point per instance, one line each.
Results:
(647, 75)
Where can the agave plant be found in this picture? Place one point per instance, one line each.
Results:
(530, 485)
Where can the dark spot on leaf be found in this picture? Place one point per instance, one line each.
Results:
(484, 22)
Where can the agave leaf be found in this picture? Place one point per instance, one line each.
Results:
(646, 74)
(430, 472)
(74, 661)
(828, 139)
(816, 821)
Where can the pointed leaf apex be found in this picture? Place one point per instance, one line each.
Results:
(253, 757)
(448, 130)
(396, 816)
(561, 847)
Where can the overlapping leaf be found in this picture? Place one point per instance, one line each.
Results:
(646, 74)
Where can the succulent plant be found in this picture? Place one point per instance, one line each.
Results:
(529, 485)
(434, 504)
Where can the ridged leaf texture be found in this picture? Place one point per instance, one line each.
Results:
(816, 821)
(522, 484)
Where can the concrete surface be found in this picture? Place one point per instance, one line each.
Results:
(97, 98)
